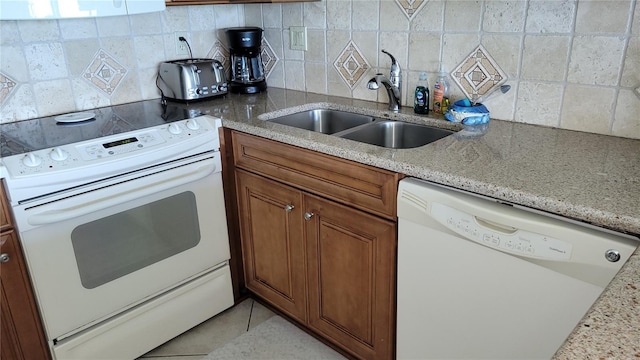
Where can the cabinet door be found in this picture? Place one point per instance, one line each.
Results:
(22, 336)
(351, 266)
(273, 242)
(5, 216)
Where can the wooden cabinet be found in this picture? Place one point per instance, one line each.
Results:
(21, 335)
(319, 242)
(351, 277)
(273, 246)
(209, 2)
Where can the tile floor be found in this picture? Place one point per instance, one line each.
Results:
(213, 333)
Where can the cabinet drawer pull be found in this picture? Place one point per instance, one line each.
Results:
(288, 208)
(4, 258)
(308, 215)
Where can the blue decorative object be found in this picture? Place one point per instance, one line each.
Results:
(462, 111)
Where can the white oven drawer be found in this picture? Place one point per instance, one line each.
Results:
(153, 322)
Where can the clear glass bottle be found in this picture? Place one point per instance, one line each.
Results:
(421, 96)
(441, 93)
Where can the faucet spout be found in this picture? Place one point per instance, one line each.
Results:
(393, 83)
(393, 91)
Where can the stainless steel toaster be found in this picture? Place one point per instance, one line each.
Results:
(191, 79)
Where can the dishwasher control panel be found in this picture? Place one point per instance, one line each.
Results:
(500, 236)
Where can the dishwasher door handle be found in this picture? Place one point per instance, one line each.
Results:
(494, 226)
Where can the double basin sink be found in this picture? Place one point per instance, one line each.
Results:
(364, 128)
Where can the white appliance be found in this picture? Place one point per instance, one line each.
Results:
(478, 279)
(125, 236)
(62, 9)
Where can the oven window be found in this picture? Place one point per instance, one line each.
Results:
(120, 244)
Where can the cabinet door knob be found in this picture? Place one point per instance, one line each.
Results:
(4, 258)
(308, 215)
(288, 208)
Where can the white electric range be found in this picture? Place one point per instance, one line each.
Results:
(121, 218)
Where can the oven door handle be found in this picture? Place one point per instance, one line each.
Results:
(53, 216)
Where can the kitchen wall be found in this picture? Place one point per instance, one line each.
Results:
(571, 64)
(51, 67)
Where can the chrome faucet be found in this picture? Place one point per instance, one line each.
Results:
(393, 84)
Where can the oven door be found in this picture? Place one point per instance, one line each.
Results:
(98, 252)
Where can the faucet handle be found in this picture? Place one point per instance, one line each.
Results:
(394, 75)
(393, 60)
(395, 67)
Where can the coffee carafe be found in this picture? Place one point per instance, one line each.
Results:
(247, 73)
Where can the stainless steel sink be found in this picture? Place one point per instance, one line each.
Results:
(364, 128)
(396, 134)
(324, 120)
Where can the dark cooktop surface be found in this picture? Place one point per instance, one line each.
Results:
(35, 134)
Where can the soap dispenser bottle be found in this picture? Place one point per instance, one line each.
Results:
(441, 93)
(421, 97)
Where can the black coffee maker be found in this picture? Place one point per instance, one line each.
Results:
(247, 73)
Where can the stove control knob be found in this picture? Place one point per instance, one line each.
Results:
(175, 129)
(31, 160)
(193, 124)
(58, 154)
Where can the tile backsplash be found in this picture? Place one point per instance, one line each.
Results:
(571, 64)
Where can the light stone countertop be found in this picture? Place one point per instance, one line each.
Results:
(586, 177)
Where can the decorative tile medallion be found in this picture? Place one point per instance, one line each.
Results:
(478, 74)
(351, 65)
(7, 85)
(269, 58)
(411, 7)
(104, 72)
(220, 53)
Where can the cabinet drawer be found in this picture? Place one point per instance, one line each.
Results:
(361, 186)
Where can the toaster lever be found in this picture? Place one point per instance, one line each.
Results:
(196, 74)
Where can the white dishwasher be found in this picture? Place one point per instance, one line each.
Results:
(478, 279)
